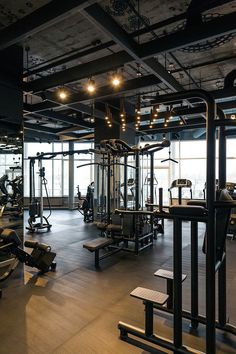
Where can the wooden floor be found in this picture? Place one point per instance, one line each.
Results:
(76, 309)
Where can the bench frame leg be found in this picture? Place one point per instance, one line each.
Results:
(149, 318)
(97, 258)
(169, 290)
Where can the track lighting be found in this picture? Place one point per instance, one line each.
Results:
(91, 87)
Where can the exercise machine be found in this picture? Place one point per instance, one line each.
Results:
(85, 205)
(131, 232)
(11, 203)
(216, 216)
(36, 205)
(180, 184)
(11, 254)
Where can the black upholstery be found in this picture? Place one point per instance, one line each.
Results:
(8, 236)
(187, 210)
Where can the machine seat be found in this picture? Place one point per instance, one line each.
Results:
(97, 244)
(198, 202)
(187, 210)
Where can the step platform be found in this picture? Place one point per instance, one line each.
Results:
(149, 295)
(167, 274)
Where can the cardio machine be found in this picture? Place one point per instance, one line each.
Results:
(180, 184)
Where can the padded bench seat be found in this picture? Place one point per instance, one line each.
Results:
(97, 244)
(114, 228)
(198, 202)
(188, 210)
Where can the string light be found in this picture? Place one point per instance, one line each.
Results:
(122, 114)
(108, 116)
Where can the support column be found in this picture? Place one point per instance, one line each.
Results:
(71, 178)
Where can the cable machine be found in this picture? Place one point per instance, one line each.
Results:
(36, 206)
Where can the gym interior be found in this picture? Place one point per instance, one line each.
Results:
(117, 176)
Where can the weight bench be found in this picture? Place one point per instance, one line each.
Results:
(97, 245)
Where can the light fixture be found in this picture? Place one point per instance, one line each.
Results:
(138, 72)
(108, 116)
(62, 94)
(91, 87)
(116, 80)
(233, 116)
(123, 114)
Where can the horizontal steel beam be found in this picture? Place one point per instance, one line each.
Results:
(78, 72)
(216, 27)
(57, 116)
(39, 136)
(43, 17)
(108, 91)
(106, 24)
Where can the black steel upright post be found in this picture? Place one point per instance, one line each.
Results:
(211, 237)
(137, 185)
(108, 188)
(151, 189)
(125, 181)
(177, 250)
(137, 181)
(194, 273)
(32, 184)
(222, 270)
(180, 195)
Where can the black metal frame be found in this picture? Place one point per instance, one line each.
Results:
(210, 321)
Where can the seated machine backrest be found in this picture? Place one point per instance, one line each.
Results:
(222, 222)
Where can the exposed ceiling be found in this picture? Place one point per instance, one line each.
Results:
(177, 44)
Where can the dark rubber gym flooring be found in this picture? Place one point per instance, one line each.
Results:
(77, 309)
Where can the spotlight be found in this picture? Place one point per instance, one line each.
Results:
(106, 118)
(62, 94)
(233, 116)
(150, 126)
(91, 86)
(122, 115)
(181, 122)
(116, 80)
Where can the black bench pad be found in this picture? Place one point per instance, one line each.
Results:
(198, 202)
(114, 227)
(150, 295)
(98, 243)
(188, 210)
